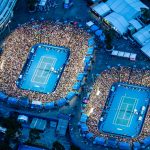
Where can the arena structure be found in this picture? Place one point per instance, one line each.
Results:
(17, 48)
(116, 112)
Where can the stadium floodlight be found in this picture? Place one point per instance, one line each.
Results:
(91, 111)
(2, 64)
(97, 93)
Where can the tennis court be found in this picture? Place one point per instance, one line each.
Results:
(122, 112)
(43, 68)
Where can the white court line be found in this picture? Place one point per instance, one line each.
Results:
(132, 114)
(121, 118)
(49, 73)
(125, 111)
(36, 70)
(43, 70)
(116, 115)
(47, 77)
(119, 109)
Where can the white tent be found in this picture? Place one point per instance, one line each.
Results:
(129, 9)
(22, 118)
(126, 55)
(114, 53)
(146, 49)
(89, 24)
(133, 56)
(42, 3)
(120, 54)
(101, 9)
(143, 35)
(136, 4)
(135, 24)
(36, 103)
(119, 23)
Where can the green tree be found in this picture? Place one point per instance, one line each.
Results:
(145, 14)
(31, 4)
(57, 146)
(109, 36)
(12, 133)
(12, 126)
(74, 147)
(34, 135)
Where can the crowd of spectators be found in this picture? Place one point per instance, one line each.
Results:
(17, 47)
(101, 90)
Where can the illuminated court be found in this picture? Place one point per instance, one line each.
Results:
(43, 68)
(125, 110)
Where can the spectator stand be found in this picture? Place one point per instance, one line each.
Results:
(124, 145)
(99, 141)
(49, 105)
(13, 101)
(24, 102)
(3, 97)
(145, 142)
(80, 78)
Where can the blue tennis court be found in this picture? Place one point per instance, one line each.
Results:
(125, 110)
(43, 68)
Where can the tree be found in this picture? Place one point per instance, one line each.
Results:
(109, 36)
(104, 1)
(145, 15)
(34, 135)
(74, 147)
(12, 126)
(12, 133)
(31, 4)
(57, 146)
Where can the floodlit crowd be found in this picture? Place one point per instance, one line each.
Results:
(100, 92)
(17, 47)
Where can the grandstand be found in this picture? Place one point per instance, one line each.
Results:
(43, 68)
(118, 108)
(33, 64)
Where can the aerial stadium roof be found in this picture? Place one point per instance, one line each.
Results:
(129, 9)
(135, 24)
(101, 9)
(118, 22)
(6, 8)
(143, 36)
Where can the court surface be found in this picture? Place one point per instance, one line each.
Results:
(119, 115)
(43, 68)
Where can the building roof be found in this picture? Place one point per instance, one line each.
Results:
(6, 7)
(129, 9)
(38, 124)
(119, 22)
(135, 24)
(143, 35)
(101, 9)
(62, 127)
